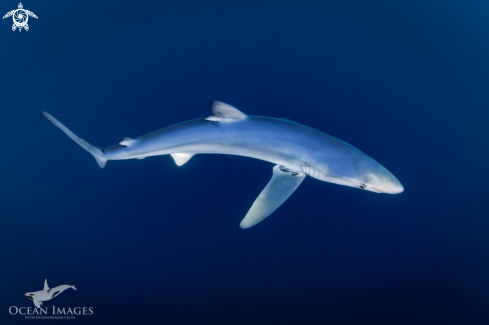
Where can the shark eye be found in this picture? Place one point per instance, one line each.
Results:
(363, 186)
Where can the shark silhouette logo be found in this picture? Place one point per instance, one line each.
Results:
(38, 297)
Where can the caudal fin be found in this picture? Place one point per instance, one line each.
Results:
(97, 153)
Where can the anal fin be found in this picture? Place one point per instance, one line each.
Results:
(181, 158)
(283, 183)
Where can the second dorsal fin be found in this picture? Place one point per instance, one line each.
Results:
(127, 142)
(222, 112)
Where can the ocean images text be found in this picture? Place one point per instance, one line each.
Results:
(13, 310)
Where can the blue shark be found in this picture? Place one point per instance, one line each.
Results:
(297, 151)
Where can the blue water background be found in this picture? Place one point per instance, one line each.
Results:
(145, 241)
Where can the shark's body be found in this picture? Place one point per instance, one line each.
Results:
(297, 150)
(47, 293)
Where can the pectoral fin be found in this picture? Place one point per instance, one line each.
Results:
(283, 183)
(37, 303)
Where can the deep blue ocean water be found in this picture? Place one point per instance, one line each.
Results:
(145, 241)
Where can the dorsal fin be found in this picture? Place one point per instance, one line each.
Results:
(181, 158)
(222, 112)
(127, 142)
(46, 287)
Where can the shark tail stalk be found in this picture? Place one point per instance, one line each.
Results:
(96, 152)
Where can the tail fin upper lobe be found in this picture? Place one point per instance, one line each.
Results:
(96, 152)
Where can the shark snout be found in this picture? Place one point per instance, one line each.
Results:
(389, 184)
(383, 182)
(394, 187)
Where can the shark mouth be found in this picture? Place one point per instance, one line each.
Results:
(29, 297)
